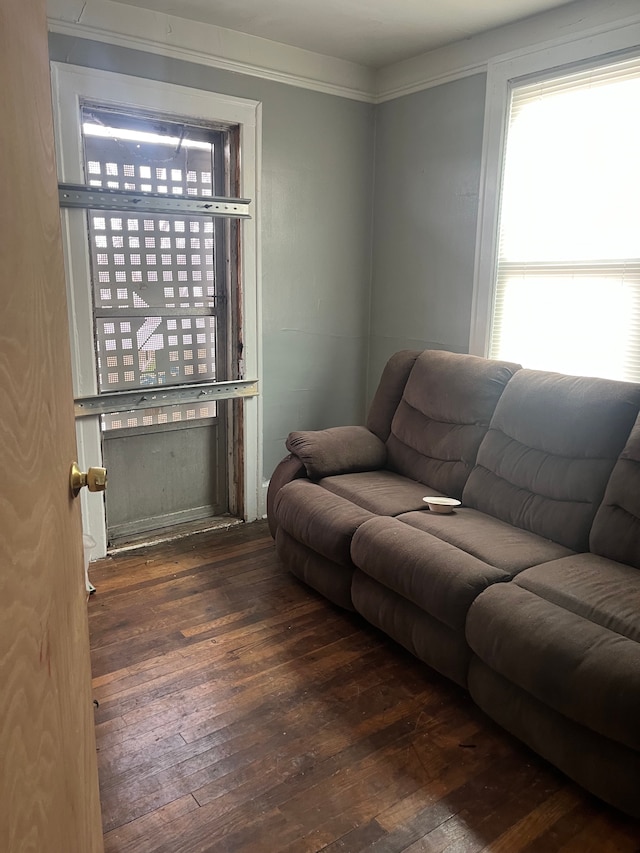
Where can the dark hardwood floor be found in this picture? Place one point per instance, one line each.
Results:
(239, 711)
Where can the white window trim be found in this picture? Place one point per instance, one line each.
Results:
(71, 85)
(501, 73)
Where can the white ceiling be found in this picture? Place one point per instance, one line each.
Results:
(369, 32)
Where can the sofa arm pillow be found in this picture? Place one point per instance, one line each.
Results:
(338, 450)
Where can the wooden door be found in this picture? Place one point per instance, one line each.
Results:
(48, 776)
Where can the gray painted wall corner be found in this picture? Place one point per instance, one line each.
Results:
(427, 178)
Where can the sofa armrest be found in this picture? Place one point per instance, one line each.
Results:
(288, 470)
(338, 450)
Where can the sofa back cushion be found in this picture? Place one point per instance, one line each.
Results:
(442, 417)
(547, 456)
(616, 528)
(389, 392)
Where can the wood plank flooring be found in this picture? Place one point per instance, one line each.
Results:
(242, 713)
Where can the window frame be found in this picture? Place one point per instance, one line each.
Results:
(226, 368)
(503, 73)
(71, 87)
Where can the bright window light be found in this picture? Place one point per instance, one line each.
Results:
(91, 129)
(567, 323)
(567, 293)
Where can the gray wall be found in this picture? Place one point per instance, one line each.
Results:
(317, 155)
(427, 176)
(335, 307)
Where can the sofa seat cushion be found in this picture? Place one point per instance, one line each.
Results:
(319, 519)
(571, 643)
(439, 578)
(493, 541)
(595, 588)
(380, 492)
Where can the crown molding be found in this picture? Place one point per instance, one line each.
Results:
(132, 27)
(178, 38)
(473, 55)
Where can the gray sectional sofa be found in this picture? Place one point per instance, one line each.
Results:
(528, 595)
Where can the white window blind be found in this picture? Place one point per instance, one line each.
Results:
(567, 290)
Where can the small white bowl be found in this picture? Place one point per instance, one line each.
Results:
(441, 505)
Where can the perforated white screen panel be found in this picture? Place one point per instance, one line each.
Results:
(155, 288)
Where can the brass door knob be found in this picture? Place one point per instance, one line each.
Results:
(95, 479)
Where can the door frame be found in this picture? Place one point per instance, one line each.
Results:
(71, 86)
